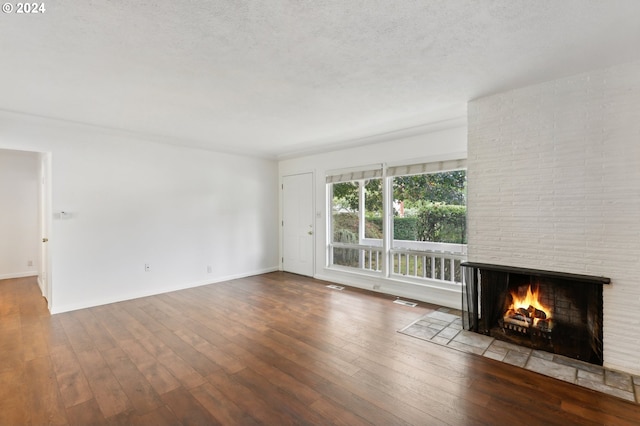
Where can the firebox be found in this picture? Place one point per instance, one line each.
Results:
(551, 311)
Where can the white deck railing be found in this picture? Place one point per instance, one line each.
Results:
(366, 257)
(432, 265)
(421, 264)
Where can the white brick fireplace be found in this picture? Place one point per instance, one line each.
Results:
(554, 184)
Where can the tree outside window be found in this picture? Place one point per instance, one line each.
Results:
(431, 207)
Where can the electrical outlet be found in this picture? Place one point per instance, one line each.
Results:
(30, 263)
(209, 269)
(147, 268)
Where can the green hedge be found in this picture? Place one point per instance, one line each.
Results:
(435, 222)
(405, 228)
(349, 221)
(443, 223)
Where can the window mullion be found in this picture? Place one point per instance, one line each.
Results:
(329, 227)
(387, 223)
(361, 220)
(361, 208)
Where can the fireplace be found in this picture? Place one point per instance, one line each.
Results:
(551, 311)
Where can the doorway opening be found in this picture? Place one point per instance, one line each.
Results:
(25, 194)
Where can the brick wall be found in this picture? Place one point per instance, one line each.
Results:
(554, 183)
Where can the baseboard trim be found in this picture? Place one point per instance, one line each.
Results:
(19, 275)
(183, 286)
(423, 293)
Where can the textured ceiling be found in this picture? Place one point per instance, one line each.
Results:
(279, 77)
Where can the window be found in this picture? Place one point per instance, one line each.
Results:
(426, 217)
(346, 223)
(356, 220)
(429, 217)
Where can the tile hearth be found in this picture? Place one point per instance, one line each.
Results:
(444, 327)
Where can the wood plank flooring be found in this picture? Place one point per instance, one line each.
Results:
(274, 349)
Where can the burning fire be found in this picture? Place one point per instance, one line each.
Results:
(527, 310)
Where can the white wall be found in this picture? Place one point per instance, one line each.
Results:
(436, 143)
(19, 214)
(554, 184)
(131, 202)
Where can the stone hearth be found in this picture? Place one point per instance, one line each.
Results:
(444, 327)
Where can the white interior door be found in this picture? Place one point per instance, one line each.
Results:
(297, 224)
(45, 226)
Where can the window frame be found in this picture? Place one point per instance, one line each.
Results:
(386, 249)
(363, 248)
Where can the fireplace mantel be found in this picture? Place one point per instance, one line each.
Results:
(539, 273)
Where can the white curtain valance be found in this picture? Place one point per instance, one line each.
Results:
(431, 167)
(354, 174)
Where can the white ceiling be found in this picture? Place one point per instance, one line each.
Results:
(279, 77)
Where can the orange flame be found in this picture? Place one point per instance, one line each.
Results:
(527, 301)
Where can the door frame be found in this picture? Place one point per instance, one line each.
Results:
(44, 276)
(313, 224)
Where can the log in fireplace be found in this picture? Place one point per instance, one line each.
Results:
(551, 311)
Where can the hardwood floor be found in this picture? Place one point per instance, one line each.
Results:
(274, 349)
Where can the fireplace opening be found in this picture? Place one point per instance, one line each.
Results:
(550, 311)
